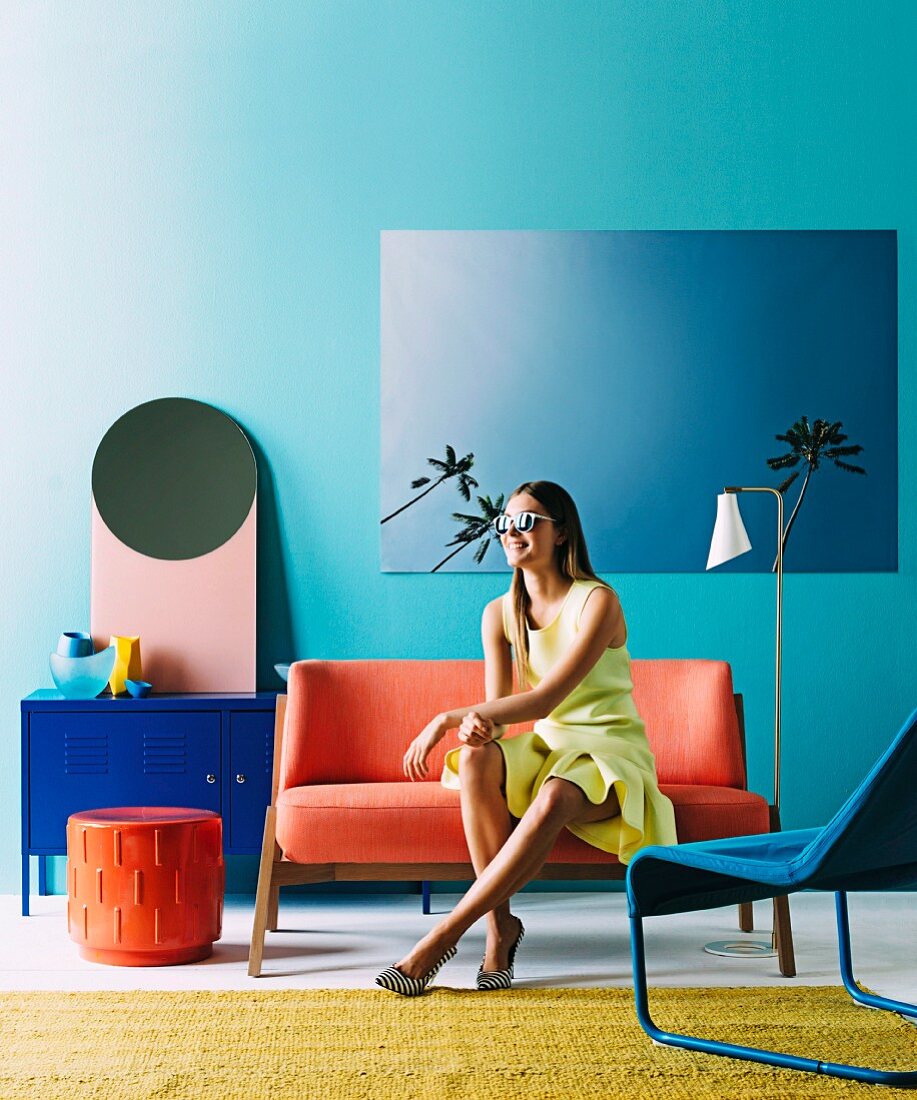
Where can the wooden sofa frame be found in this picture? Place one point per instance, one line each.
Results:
(274, 871)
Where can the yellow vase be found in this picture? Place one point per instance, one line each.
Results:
(127, 662)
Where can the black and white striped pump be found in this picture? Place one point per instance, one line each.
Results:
(500, 979)
(396, 982)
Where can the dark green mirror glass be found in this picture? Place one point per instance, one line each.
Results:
(174, 478)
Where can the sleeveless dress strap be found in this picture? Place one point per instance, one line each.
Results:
(575, 605)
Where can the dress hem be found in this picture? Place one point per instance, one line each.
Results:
(627, 828)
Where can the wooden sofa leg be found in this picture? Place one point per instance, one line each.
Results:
(746, 916)
(273, 907)
(263, 896)
(783, 934)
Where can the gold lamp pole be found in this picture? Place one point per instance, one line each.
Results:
(729, 540)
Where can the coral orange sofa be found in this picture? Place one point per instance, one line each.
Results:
(341, 808)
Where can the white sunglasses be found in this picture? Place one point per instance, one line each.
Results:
(522, 521)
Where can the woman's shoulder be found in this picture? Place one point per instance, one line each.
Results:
(497, 614)
(605, 597)
(494, 610)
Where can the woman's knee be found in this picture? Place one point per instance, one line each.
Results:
(559, 798)
(484, 762)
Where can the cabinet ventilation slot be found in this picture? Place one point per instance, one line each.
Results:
(85, 753)
(269, 751)
(164, 753)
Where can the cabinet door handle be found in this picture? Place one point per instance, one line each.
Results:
(211, 778)
(240, 778)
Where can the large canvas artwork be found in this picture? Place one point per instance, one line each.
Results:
(643, 371)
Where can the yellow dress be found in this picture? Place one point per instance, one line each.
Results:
(595, 738)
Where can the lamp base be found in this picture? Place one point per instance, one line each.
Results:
(742, 949)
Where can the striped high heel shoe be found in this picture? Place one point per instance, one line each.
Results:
(396, 982)
(500, 979)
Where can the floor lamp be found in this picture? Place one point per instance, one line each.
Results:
(729, 540)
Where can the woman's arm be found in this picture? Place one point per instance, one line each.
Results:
(498, 676)
(601, 622)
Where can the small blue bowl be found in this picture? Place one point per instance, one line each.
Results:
(74, 643)
(283, 671)
(140, 689)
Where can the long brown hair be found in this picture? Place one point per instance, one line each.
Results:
(571, 556)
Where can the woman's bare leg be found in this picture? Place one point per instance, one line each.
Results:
(488, 825)
(518, 861)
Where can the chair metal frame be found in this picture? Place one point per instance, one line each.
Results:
(870, 844)
(900, 1078)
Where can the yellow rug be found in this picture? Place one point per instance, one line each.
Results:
(525, 1044)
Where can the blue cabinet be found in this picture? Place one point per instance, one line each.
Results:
(212, 752)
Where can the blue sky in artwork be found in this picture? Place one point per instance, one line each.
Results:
(643, 371)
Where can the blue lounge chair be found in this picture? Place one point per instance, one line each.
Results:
(869, 844)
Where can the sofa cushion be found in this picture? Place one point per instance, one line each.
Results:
(407, 822)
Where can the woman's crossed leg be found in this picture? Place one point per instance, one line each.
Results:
(504, 859)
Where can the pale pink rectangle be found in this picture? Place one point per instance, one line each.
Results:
(195, 618)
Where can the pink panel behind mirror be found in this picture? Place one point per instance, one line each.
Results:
(195, 618)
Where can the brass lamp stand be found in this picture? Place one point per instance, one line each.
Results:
(729, 540)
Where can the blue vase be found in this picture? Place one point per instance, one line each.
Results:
(82, 677)
(74, 643)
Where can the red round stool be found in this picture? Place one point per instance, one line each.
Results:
(145, 884)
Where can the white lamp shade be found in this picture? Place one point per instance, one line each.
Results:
(730, 538)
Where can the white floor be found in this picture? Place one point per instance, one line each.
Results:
(572, 939)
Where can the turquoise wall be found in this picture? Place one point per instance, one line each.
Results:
(191, 204)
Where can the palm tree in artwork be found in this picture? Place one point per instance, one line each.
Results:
(479, 528)
(452, 467)
(811, 445)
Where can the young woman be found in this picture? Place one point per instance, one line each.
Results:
(585, 766)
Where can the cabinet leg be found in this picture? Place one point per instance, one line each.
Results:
(25, 885)
(783, 934)
(272, 907)
(746, 916)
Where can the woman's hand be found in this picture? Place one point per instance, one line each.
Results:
(475, 730)
(415, 759)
